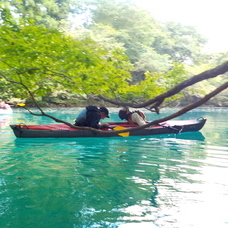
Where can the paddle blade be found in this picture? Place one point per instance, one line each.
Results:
(124, 134)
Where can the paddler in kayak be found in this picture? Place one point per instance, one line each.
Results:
(91, 116)
(134, 117)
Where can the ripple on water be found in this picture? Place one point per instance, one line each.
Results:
(164, 181)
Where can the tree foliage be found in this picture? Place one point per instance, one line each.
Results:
(45, 60)
(181, 43)
(48, 13)
(137, 30)
(150, 44)
(117, 39)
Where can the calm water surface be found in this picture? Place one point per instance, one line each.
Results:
(126, 182)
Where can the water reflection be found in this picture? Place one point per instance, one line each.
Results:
(163, 181)
(103, 180)
(4, 121)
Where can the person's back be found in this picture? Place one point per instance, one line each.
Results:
(135, 117)
(91, 116)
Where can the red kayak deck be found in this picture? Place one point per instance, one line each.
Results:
(64, 127)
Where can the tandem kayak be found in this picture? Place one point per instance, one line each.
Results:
(64, 131)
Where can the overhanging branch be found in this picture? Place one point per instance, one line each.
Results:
(183, 110)
(221, 69)
(157, 100)
(174, 115)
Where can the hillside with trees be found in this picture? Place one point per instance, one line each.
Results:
(71, 52)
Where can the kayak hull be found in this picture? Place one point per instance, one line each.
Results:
(64, 131)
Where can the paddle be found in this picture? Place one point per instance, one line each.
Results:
(124, 134)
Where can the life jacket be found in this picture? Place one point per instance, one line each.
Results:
(140, 113)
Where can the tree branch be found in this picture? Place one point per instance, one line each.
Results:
(156, 101)
(221, 69)
(174, 115)
(183, 110)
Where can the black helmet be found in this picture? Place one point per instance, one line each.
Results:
(105, 110)
(123, 115)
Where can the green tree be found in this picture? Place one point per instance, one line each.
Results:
(45, 60)
(137, 30)
(145, 38)
(94, 61)
(182, 43)
(48, 13)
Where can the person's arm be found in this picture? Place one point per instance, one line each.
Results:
(103, 125)
(136, 118)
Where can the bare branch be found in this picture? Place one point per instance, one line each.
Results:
(183, 110)
(62, 121)
(174, 115)
(153, 102)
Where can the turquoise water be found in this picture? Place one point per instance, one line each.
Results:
(126, 182)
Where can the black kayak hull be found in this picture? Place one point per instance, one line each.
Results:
(63, 131)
